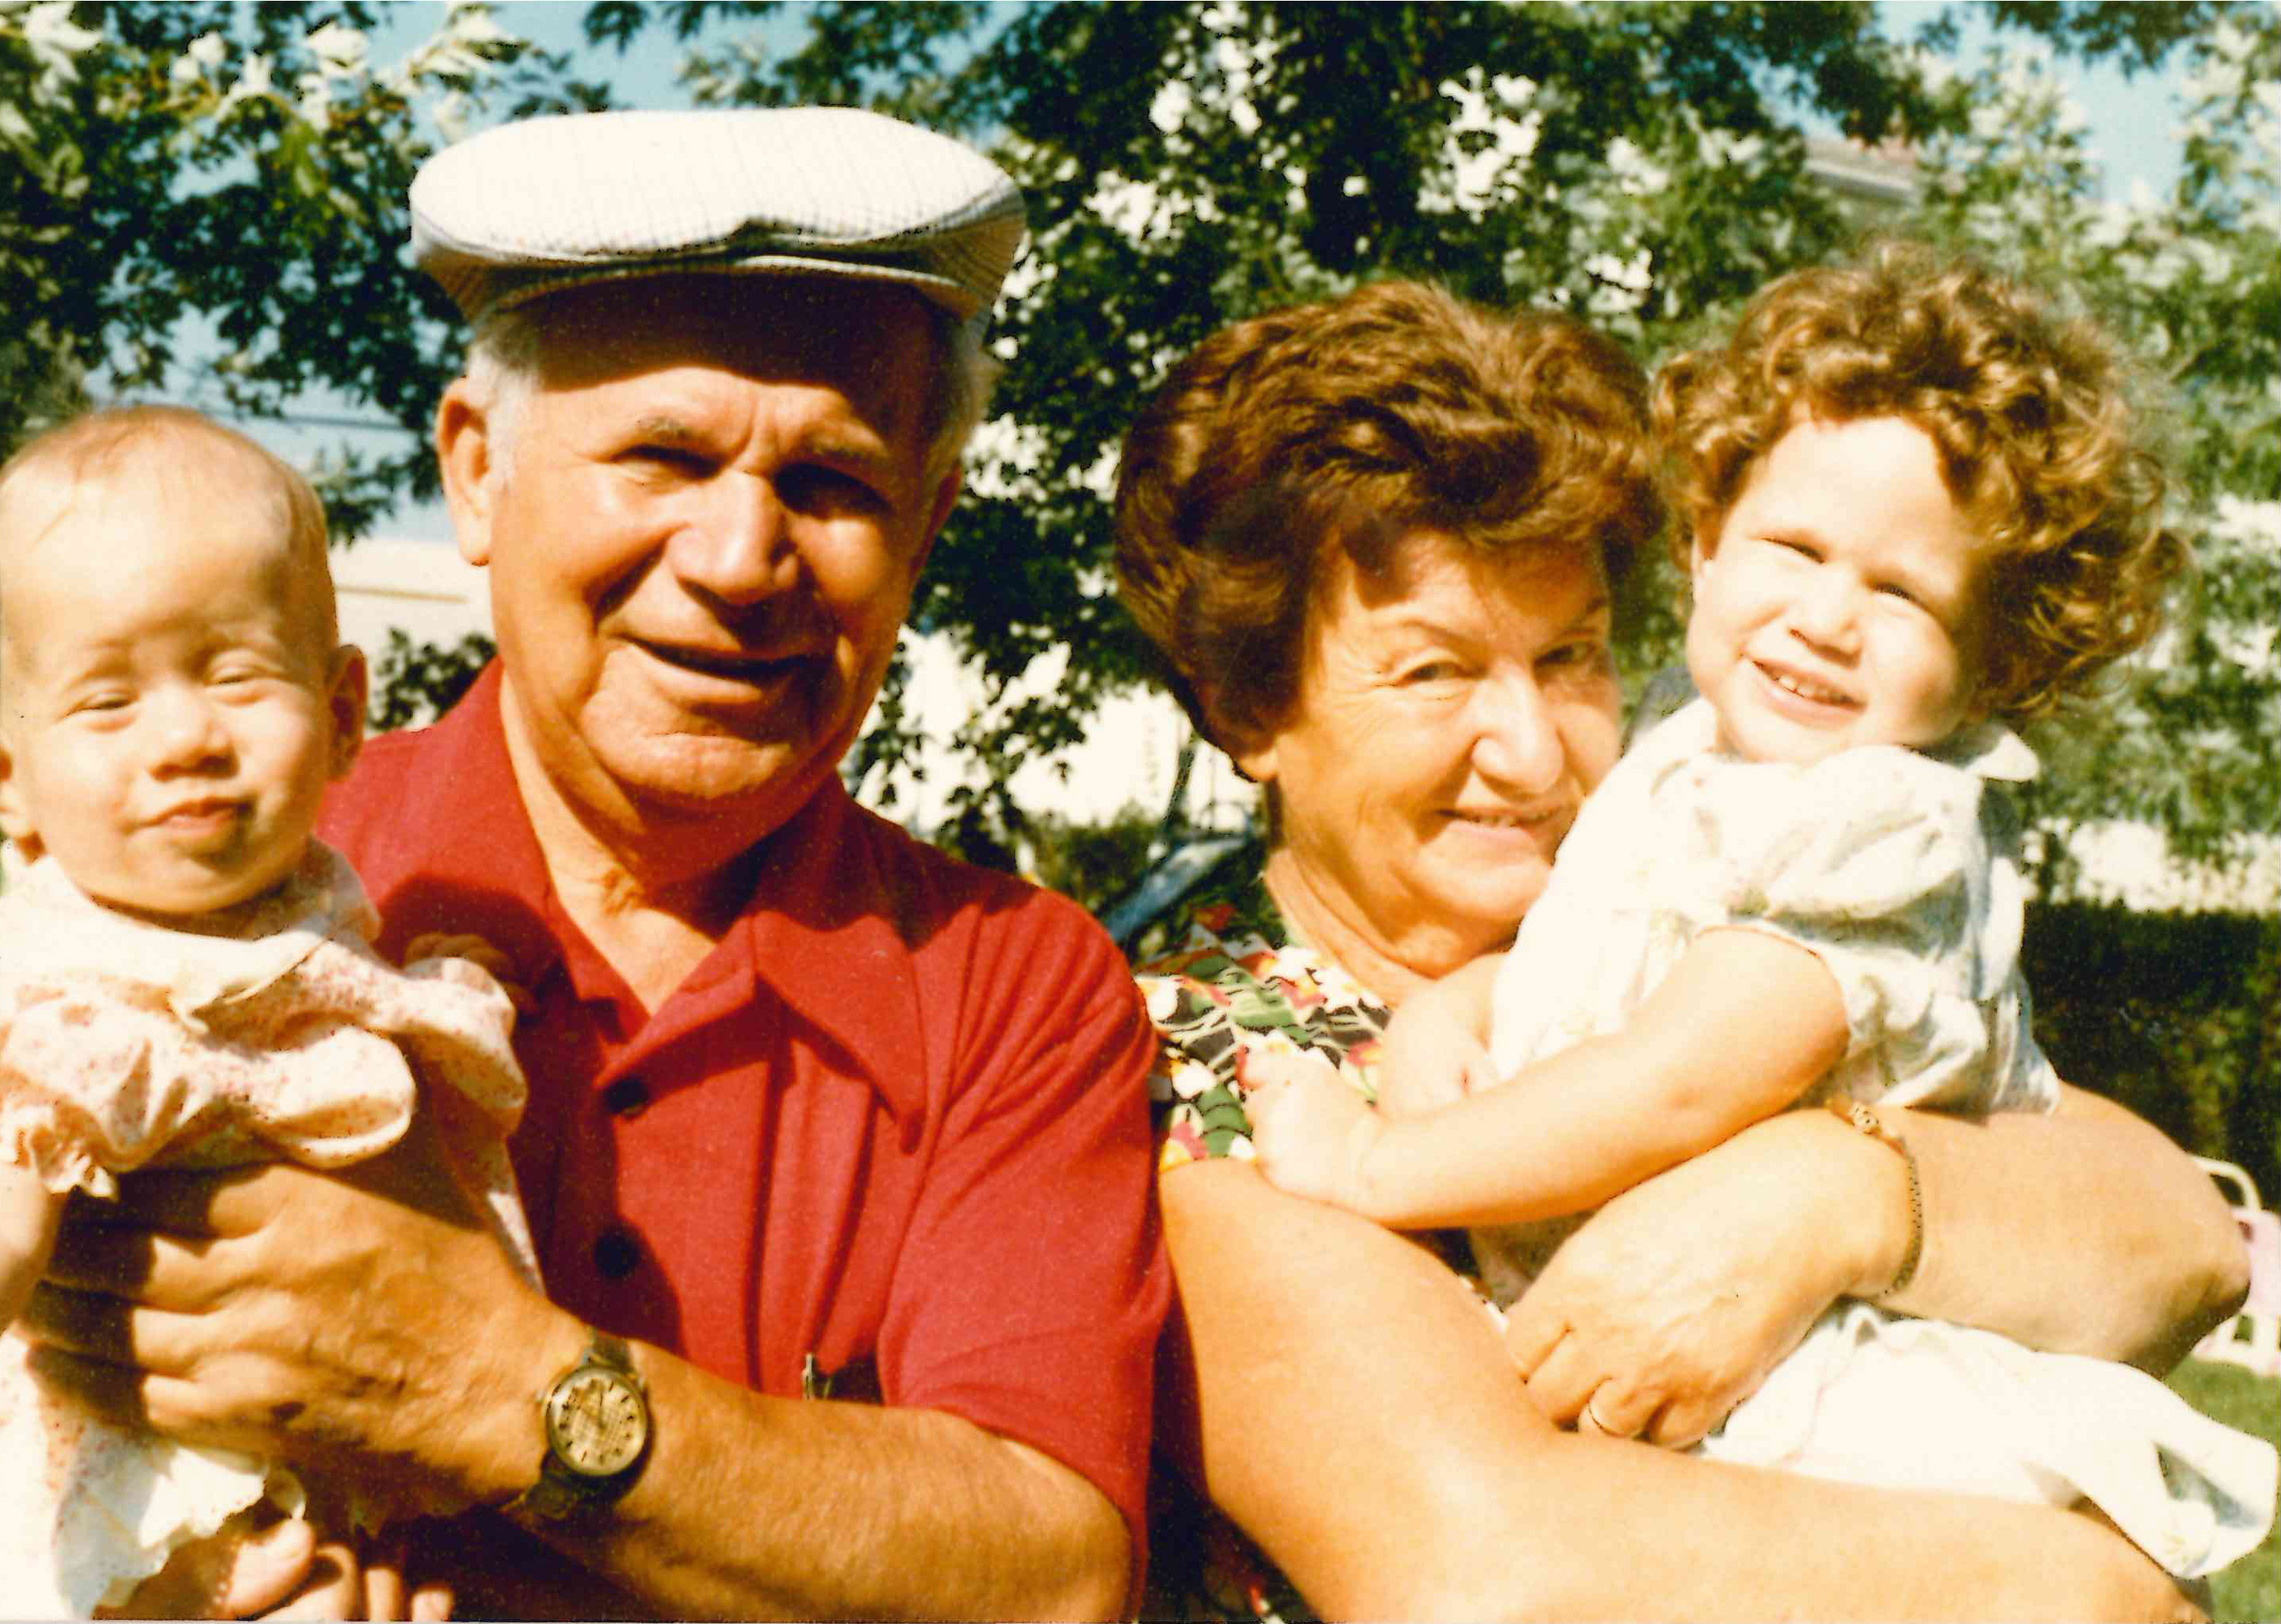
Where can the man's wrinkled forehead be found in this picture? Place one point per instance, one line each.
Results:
(873, 343)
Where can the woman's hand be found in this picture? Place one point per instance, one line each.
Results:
(362, 1324)
(1671, 1303)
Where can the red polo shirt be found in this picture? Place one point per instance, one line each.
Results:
(896, 1124)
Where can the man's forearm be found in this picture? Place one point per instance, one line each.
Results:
(2084, 1231)
(752, 1506)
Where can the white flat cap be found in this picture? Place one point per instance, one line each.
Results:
(545, 204)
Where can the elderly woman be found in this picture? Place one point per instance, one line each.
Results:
(1378, 542)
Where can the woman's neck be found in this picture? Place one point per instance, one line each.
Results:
(1388, 973)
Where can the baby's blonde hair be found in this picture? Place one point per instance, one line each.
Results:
(98, 448)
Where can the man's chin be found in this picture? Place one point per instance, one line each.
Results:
(757, 785)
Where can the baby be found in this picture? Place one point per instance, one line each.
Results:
(185, 977)
(1917, 509)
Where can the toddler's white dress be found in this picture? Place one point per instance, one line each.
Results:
(124, 1044)
(1896, 868)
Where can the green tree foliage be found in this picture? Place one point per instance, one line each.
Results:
(2192, 283)
(1643, 166)
(175, 169)
(178, 171)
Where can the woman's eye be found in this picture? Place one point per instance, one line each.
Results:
(1433, 671)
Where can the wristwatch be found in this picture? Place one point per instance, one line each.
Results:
(596, 1418)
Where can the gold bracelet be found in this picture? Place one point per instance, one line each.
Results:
(1856, 1115)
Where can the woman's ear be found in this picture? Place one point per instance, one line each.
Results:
(1251, 749)
(1257, 761)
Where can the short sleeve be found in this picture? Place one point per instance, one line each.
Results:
(1877, 861)
(1031, 1281)
(1216, 1002)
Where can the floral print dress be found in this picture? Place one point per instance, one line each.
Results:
(1226, 978)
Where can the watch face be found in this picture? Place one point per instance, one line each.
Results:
(597, 1422)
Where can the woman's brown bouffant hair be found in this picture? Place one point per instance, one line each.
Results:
(2033, 419)
(1356, 422)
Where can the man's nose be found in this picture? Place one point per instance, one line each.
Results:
(738, 545)
(1518, 741)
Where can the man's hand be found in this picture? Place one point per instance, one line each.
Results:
(1311, 1130)
(362, 1326)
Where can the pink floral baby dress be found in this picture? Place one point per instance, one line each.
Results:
(126, 1044)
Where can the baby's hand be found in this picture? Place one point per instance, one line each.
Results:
(1427, 1062)
(255, 1561)
(443, 945)
(1312, 1131)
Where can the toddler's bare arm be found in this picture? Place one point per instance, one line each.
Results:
(1743, 1025)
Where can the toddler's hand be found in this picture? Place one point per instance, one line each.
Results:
(443, 945)
(1426, 1063)
(1312, 1131)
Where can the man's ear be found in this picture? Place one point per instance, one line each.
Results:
(345, 696)
(943, 499)
(464, 451)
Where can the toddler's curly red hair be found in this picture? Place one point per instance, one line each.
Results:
(2033, 416)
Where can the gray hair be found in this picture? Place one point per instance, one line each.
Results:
(507, 351)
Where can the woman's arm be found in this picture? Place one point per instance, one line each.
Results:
(1346, 1402)
(2081, 1231)
(1744, 1024)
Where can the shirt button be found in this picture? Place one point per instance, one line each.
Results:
(616, 1254)
(629, 1097)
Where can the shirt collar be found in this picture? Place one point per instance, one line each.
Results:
(1988, 750)
(458, 850)
(833, 933)
(824, 929)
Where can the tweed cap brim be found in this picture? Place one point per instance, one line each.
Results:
(545, 204)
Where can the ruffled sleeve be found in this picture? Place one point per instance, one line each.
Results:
(1878, 860)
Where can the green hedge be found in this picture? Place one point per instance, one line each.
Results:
(2174, 1015)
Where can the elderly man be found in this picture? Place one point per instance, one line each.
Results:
(817, 1114)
